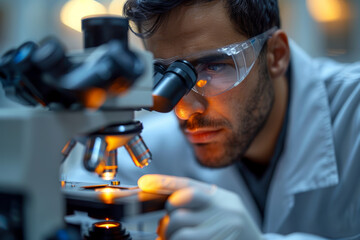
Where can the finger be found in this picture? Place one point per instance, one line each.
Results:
(184, 218)
(220, 231)
(194, 233)
(189, 198)
(165, 184)
(162, 227)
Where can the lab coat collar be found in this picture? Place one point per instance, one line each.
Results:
(308, 160)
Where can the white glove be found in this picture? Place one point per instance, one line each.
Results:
(200, 211)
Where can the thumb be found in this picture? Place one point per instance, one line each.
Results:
(165, 184)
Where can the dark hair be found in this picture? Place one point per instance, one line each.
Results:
(251, 17)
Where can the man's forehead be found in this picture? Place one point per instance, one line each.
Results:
(191, 29)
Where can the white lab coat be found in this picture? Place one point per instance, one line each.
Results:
(315, 189)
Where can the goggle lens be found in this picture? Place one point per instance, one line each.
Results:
(221, 69)
(214, 78)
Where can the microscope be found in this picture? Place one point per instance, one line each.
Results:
(87, 98)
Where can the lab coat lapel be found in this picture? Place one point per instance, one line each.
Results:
(308, 160)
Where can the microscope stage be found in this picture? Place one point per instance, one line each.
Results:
(109, 201)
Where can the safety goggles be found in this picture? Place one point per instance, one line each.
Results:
(219, 70)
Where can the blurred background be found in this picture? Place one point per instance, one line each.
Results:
(321, 27)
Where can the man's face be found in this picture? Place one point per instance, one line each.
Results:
(220, 128)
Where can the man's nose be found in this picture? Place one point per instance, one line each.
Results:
(190, 104)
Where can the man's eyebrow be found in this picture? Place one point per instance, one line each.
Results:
(194, 61)
(209, 58)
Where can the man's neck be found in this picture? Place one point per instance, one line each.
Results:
(263, 146)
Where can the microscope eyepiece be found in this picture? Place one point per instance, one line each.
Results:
(23, 55)
(176, 81)
(101, 30)
(6, 65)
(50, 57)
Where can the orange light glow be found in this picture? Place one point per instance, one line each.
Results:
(107, 190)
(201, 83)
(328, 10)
(163, 225)
(100, 168)
(182, 197)
(107, 225)
(63, 183)
(114, 142)
(115, 183)
(107, 195)
(120, 85)
(94, 98)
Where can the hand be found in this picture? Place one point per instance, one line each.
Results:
(200, 211)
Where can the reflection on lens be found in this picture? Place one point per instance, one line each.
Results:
(201, 83)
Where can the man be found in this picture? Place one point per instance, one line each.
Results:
(281, 129)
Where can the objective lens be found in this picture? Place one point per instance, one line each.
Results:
(95, 155)
(138, 151)
(68, 148)
(111, 167)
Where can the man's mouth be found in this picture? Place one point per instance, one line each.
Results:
(202, 135)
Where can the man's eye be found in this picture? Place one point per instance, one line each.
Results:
(216, 67)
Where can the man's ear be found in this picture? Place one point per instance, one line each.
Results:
(278, 54)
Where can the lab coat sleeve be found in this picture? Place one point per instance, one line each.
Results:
(293, 236)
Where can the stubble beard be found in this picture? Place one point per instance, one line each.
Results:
(252, 119)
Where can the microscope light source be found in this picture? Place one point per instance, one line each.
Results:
(107, 225)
